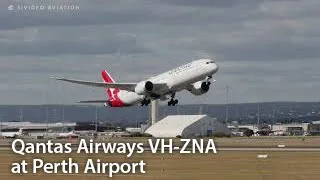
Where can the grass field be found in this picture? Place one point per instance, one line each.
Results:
(223, 165)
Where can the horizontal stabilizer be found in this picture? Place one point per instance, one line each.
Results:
(94, 101)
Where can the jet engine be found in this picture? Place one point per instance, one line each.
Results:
(144, 87)
(199, 88)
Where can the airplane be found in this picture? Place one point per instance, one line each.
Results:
(67, 134)
(11, 132)
(194, 77)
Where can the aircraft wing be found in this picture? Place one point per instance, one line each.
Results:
(122, 86)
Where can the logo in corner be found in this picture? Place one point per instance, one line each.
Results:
(10, 7)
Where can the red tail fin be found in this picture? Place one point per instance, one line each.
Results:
(108, 79)
(114, 100)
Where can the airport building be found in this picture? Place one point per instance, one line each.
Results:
(13, 129)
(29, 129)
(314, 128)
(187, 126)
(37, 126)
(293, 129)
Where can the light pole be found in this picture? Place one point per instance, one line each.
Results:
(47, 121)
(96, 127)
(227, 111)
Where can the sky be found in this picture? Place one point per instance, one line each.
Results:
(267, 50)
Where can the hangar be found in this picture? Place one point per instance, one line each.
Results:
(187, 126)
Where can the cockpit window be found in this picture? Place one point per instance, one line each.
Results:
(208, 62)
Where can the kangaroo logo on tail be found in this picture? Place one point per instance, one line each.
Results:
(108, 79)
(113, 93)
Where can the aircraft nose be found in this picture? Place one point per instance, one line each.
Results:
(215, 67)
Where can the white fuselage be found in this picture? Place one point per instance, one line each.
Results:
(8, 133)
(176, 79)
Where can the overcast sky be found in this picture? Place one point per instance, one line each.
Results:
(267, 50)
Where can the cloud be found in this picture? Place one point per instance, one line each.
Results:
(267, 50)
(207, 3)
(52, 41)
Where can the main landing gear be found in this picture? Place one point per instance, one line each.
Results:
(145, 102)
(208, 78)
(173, 101)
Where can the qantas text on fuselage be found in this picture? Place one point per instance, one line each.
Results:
(194, 77)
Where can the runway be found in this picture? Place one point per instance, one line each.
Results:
(237, 149)
(271, 149)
